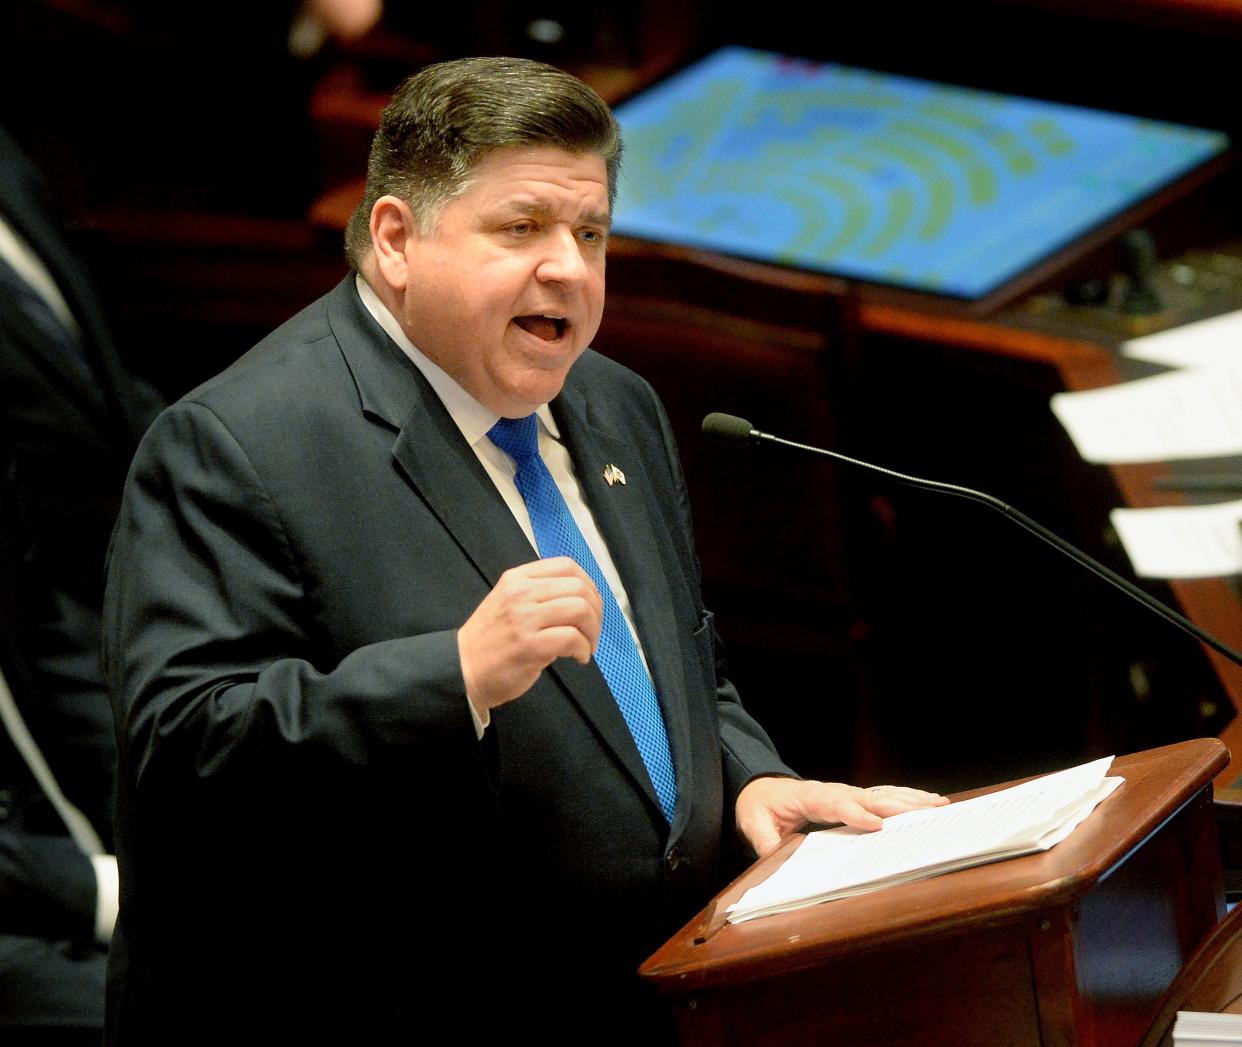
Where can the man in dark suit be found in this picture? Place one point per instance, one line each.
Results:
(70, 418)
(378, 760)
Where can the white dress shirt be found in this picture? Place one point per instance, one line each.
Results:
(29, 266)
(474, 420)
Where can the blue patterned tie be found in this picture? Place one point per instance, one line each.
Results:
(618, 659)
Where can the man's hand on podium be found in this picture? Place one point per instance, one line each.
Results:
(771, 808)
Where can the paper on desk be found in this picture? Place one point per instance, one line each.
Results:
(1205, 343)
(1183, 541)
(1203, 1028)
(839, 863)
(1182, 414)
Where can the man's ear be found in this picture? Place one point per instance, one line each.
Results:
(392, 229)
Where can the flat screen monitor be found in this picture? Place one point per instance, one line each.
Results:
(882, 178)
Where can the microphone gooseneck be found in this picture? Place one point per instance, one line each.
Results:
(732, 431)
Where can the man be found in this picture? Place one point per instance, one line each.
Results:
(382, 765)
(70, 418)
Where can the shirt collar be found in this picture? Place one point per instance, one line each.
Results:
(470, 416)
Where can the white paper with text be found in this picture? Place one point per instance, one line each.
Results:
(840, 862)
(1181, 414)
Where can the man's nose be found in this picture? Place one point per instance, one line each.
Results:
(562, 261)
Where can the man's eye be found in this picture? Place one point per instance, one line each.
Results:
(522, 228)
(592, 236)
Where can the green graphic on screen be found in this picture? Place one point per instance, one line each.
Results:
(879, 177)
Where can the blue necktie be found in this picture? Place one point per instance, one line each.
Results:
(618, 659)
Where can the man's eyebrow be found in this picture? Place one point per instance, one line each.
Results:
(541, 209)
(531, 207)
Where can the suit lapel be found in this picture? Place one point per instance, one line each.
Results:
(428, 448)
(624, 514)
(438, 463)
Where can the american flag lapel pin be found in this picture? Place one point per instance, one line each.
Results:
(613, 475)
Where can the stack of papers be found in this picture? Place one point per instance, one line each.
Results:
(838, 863)
(1191, 413)
(1205, 1029)
(1205, 343)
(1182, 414)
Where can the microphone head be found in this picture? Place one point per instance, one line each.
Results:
(727, 429)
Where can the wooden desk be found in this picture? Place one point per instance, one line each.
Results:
(1073, 946)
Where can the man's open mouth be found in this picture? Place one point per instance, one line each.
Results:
(549, 328)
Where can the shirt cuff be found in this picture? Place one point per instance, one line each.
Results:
(481, 720)
(107, 896)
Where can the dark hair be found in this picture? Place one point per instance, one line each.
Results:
(443, 120)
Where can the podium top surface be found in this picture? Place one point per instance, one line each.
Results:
(1158, 783)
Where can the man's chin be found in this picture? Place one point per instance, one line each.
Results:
(520, 403)
(529, 391)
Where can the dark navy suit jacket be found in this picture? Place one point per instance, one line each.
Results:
(309, 828)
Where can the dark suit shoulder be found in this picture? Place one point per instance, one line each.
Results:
(292, 408)
(300, 344)
(623, 402)
(593, 368)
(615, 393)
(295, 381)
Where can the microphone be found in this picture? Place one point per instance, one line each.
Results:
(731, 431)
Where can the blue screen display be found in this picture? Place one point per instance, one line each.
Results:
(879, 177)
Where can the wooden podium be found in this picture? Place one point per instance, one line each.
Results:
(1072, 946)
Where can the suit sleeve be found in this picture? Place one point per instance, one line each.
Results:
(215, 669)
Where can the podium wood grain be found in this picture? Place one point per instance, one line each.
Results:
(1072, 946)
